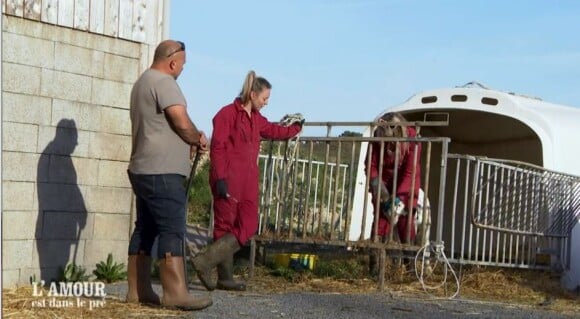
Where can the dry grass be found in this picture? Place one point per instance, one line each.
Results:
(516, 287)
(18, 304)
(527, 288)
(533, 288)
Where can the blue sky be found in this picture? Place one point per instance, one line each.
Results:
(349, 60)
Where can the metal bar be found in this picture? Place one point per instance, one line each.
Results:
(405, 123)
(501, 180)
(350, 191)
(315, 204)
(476, 213)
(269, 186)
(252, 257)
(441, 204)
(382, 257)
(294, 177)
(511, 237)
(377, 211)
(277, 197)
(372, 139)
(465, 204)
(263, 196)
(504, 265)
(394, 189)
(493, 212)
(411, 196)
(426, 210)
(527, 221)
(301, 201)
(308, 189)
(335, 191)
(517, 217)
(518, 232)
(485, 212)
(316, 241)
(503, 207)
(475, 190)
(342, 208)
(454, 207)
(366, 197)
(324, 175)
(331, 183)
(282, 189)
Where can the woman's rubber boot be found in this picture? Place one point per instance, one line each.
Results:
(139, 280)
(175, 292)
(226, 276)
(205, 262)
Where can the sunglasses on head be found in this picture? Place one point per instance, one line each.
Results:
(181, 48)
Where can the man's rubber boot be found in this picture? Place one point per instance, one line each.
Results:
(226, 276)
(175, 292)
(139, 280)
(215, 253)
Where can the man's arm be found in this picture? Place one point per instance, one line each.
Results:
(182, 125)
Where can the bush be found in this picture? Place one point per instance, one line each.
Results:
(340, 269)
(110, 271)
(292, 275)
(200, 197)
(74, 273)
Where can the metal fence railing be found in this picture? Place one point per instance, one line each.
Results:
(309, 188)
(315, 190)
(275, 200)
(510, 214)
(308, 197)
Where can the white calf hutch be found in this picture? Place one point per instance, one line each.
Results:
(511, 195)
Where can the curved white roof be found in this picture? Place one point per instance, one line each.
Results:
(556, 125)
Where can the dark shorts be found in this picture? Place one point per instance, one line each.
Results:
(161, 211)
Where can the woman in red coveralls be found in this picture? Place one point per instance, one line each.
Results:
(234, 177)
(406, 171)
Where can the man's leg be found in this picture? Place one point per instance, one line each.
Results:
(139, 260)
(167, 203)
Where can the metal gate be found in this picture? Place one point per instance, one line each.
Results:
(510, 214)
(308, 188)
(485, 211)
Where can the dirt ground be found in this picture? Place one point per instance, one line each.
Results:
(529, 288)
(537, 290)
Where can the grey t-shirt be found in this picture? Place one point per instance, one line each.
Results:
(156, 148)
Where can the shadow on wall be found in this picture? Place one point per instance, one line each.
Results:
(62, 213)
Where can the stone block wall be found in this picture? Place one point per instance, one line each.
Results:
(65, 146)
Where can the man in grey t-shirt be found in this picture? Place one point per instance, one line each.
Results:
(163, 137)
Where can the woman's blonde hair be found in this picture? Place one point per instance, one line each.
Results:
(388, 127)
(253, 83)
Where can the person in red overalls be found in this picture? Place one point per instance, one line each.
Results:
(406, 171)
(234, 177)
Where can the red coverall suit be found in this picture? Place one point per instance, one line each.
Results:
(235, 145)
(404, 178)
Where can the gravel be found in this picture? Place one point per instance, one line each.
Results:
(352, 306)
